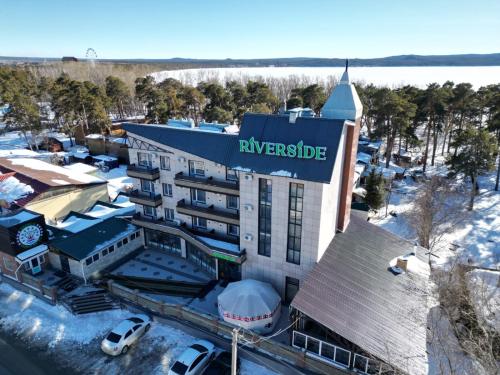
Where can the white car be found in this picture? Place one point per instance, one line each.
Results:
(194, 359)
(118, 341)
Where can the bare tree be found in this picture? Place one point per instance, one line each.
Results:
(438, 207)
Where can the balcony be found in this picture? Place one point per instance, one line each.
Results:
(207, 183)
(218, 246)
(143, 172)
(145, 198)
(208, 212)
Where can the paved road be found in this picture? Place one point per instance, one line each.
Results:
(17, 359)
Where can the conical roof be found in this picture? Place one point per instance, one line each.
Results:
(343, 103)
(249, 298)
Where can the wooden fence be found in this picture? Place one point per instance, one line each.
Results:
(290, 354)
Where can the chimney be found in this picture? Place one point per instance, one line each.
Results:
(344, 104)
(402, 263)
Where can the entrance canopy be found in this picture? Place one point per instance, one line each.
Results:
(27, 255)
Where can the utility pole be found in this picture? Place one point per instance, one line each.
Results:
(234, 351)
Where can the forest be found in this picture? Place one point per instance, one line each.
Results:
(452, 119)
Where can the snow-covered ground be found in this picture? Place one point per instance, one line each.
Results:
(380, 76)
(475, 238)
(74, 341)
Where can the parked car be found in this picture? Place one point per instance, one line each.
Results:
(221, 365)
(119, 340)
(194, 359)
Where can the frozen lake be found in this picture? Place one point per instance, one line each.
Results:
(381, 76)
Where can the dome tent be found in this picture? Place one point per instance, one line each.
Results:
(250, 304)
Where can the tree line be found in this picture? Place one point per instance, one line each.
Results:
(450, 119)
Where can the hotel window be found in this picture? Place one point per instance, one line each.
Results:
(233, 230)
(165, 163)
(125, 241)
(111, 249)
(196, 168)
(149, 211)
(88, 261)
(291, 288)
(169, 214)
(144, 159)
(138, 233)
(233, 202)
(95, 257)
(199, 222)
(265, 205)
(296, 198)
(147, 186)
(167, 190)
(105, 252)
(198, 196)
(231, 174)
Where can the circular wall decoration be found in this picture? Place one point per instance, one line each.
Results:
(29, 235)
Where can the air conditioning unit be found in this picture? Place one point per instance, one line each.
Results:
(248, 207)
(248, 237)
(182, 159)
(248, 177)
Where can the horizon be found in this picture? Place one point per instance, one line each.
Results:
(220, 30)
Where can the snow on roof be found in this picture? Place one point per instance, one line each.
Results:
(104, 211)
(105, 158)
(20, 217)
(359, 168)
(36, 251)
(485, 294)
(81, 167)
(234, 248)
(364, 158)
(75, 224)
(123, 201)
(11, 189)
(94, 136)
(394, 167)
(386, 172)
(18, 152)
(122, 141)
(13, 140)
(37, 169)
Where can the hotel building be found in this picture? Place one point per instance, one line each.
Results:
(263, 202)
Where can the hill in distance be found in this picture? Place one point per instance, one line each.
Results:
(492, 59)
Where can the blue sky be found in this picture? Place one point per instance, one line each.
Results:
(247, 28)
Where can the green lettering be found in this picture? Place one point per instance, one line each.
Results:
(252, 143)
(270, 148)
(320, 153)
(291, 151)
(299, 149)
(280, 149)
(244, 146)
(259, 146)
(309, 152)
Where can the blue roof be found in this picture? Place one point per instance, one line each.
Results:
(223, 148)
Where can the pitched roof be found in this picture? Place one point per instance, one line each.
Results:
(82, 244)
(352, 292)
(46, 173)
(223, 148)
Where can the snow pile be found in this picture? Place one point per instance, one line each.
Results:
(37, 321)
(117, 180)
(75, 339)
(484, 290)
(12, 190)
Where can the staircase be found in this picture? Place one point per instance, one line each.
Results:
(89, 302)
(67, 283)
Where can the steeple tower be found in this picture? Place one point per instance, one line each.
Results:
(344, 104)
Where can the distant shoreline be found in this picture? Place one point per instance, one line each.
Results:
(492, 59)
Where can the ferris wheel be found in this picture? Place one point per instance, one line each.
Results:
(91, 56)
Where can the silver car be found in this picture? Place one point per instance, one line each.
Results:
(119, 340)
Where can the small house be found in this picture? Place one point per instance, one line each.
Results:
(91, 250)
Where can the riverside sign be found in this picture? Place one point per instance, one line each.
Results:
(296, 151)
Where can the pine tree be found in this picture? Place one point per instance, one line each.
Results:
(375, 191)
(476, 150)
